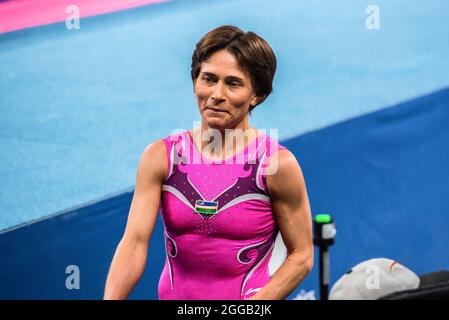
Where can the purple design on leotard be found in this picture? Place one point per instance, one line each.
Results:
(172, 251)
(261, 251)
(243, 185)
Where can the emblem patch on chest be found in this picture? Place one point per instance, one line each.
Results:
(206, 209)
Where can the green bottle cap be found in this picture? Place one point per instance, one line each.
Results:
(323, 218)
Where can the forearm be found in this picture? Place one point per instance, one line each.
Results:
(126, 269)
(287, 278)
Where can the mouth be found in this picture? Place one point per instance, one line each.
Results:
(216, 110)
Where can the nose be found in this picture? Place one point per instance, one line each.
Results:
(217, 95)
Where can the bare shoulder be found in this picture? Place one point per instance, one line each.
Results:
(284, 174)
(153, 161)
(283, 163)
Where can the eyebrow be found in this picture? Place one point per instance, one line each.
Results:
(233, 78)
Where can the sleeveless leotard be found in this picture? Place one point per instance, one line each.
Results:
(219, 226)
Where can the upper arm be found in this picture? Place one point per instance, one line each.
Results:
(150, 175)
(290, 203)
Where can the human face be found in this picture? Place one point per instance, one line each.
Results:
(224, 92)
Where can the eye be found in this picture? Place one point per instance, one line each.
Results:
(206, 78)
(234, 84)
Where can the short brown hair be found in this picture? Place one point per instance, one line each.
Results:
(253, 54)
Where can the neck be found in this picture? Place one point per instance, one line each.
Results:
(221, 141)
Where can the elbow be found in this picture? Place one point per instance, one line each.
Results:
(134, 241)
(305, 260)
(308, 265)
(310, 260)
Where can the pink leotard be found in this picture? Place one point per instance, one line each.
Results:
(226, 254)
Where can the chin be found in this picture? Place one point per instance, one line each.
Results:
(215, 123)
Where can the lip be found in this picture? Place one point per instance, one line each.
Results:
(216, 110)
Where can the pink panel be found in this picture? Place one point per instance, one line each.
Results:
(21, 14)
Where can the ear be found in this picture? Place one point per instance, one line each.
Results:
(254, 101)
(194, 85)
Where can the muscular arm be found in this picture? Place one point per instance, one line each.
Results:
(130, 256)
(292, 211)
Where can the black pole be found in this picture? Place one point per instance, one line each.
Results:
(324, 273)
(323, 237)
